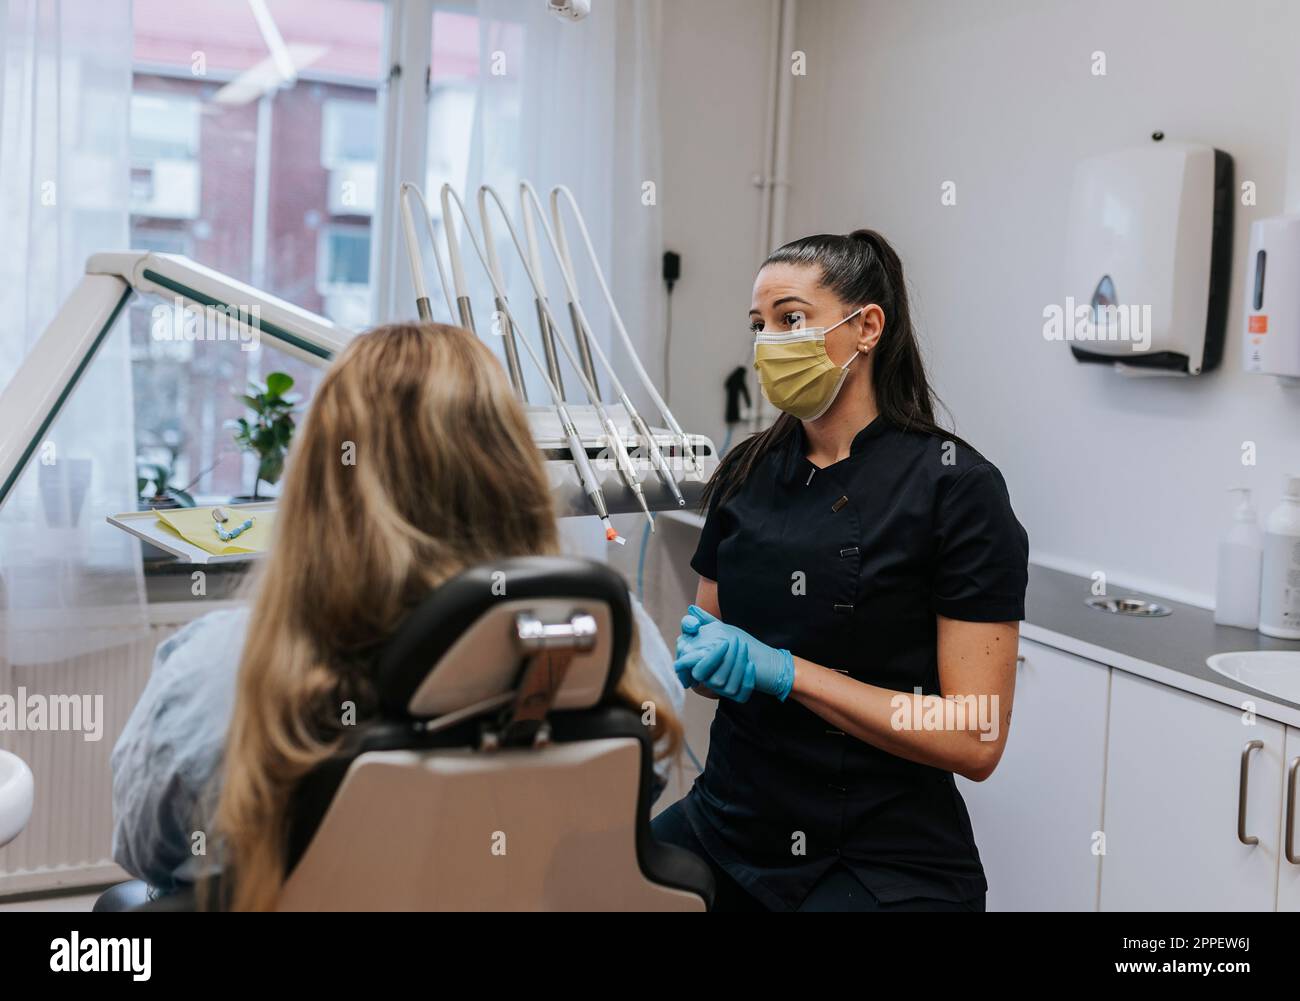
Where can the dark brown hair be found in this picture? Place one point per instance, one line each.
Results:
(861, 269)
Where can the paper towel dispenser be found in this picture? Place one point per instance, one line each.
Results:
(1149, 259)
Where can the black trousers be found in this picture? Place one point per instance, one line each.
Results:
(838, 890)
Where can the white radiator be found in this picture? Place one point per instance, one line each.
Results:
(69, 840)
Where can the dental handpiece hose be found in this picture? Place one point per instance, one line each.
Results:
(462, 292)
(583, 331)
(623, 462)
(560, 190)
(578, 451)
(416, 260)
(549, 333)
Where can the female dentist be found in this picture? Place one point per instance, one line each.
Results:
(862, 578)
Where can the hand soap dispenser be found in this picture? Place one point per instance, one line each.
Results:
(1271, 345)
(1279, 594)
(1241, 550)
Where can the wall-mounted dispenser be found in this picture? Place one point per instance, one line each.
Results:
(1150, 257)
(1271, 344)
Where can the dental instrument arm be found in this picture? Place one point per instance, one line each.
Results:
(422, 306)
(688, 453)
(578, 451)
(463, 306)
(499, 283)
(549, 333)
(582, 333)
(626, 468)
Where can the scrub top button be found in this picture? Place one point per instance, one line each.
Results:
(851, 551)
(839, 504)
(844, 608)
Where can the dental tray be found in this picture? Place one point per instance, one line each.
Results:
(146, 526)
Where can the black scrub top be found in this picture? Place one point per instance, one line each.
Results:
(848, 566)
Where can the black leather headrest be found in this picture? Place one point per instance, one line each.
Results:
(449, 613)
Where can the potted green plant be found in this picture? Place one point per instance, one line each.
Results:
(267, 434)
(154, 484)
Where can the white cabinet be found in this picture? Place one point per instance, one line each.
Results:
(1175, 819)
(1036, 815)
(1288, 871)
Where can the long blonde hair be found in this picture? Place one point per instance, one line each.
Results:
(414, 462)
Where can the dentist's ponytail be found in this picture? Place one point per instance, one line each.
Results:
(860, 269)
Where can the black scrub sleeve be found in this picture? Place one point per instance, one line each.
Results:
(705, 560)
(982, 552)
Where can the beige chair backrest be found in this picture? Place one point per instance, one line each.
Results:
(549, 829)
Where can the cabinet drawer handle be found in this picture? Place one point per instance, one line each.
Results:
(1289, 847)
(1242, 836)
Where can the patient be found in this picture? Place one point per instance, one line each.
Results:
(414, 462)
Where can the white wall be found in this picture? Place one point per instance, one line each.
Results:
(713, 98)
(714, 69)
(1123, 476)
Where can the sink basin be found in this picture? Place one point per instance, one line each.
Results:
(1276, 672)
(15, 796)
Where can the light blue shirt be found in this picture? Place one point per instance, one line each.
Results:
(166, 762)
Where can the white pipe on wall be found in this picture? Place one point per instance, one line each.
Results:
(781, 139)
(777, 182)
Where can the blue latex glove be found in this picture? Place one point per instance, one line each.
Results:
(716, 660)
(728, 660)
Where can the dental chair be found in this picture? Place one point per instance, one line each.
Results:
(500, 774)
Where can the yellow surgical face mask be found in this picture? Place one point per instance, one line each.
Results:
(795, 372)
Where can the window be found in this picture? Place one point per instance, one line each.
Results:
(344, 257)
(164, 156)
(267, 178)
(344, 276)
(164, 127)
(348, 133)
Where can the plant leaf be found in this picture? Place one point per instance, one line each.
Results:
(278, 383)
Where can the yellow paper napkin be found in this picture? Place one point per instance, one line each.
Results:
(195, 525)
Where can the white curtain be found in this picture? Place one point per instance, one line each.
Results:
(71, 583)
(576, 103)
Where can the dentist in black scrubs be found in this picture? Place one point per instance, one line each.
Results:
(862, 579)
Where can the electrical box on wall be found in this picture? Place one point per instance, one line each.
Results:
(1149, 258)
(1271, 342)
